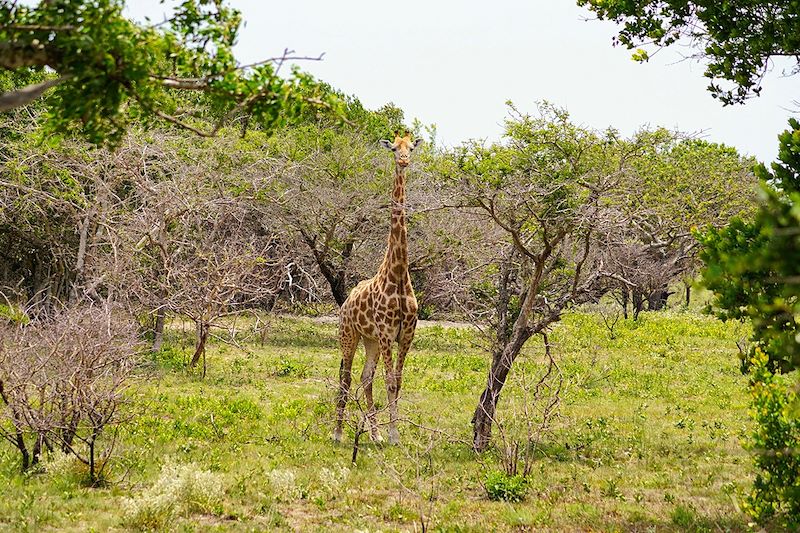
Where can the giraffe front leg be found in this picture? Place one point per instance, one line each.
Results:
(403, 346)
(391, 392)
(367, 376)
(402, 350)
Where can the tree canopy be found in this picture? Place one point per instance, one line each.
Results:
(736, 37)
(106, 70)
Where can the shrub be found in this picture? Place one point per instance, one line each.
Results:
(289, 368)
(180, 490)
(65, 380)
(332, 480)
(503, 487)
(13, 314)
(775, 495)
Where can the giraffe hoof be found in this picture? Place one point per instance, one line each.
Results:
(337, 435)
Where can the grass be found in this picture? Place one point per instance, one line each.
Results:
(648, 439)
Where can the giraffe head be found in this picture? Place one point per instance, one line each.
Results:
(402, 148)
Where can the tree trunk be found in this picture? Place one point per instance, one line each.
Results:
(80, 261)
(200, 348)
(335, 276)
(638, 303)
(626, 295)
(688, 294)
(92, 477)
(657, 300)
(158, 330)
(36, 452)
(23, 450)
(502, 359)
(336, 280)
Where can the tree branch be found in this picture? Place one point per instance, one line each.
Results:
(26, 95)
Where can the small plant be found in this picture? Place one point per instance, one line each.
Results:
(611, 490)
(13, 314)
(284, 484)
(503, 487)
(170, 357)
(289, 368)
(684, 516)
(333, 479)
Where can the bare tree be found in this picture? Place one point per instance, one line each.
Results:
(199, 250)
(328, 191)
(64, 380)
(675, 185)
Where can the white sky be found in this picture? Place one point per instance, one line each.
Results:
(455, 63)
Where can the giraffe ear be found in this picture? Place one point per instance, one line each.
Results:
(386, 144)
(417, 142)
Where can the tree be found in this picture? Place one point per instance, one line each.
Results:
(547, 192)
(750, 266)
(328, 190)
(55, 204)
(192, 240)
(737, 38)
(109, 70)
(676, 184)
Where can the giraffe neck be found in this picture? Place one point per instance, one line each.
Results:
(395, 263)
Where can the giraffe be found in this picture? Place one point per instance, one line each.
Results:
(381, 310)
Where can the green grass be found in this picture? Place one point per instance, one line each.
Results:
(648, 438)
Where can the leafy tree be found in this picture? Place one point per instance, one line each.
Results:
(752, 267)
(775, 495)
(736, 37)
(677, 184)
(109, 70)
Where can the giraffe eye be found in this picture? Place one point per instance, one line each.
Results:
(394, 148)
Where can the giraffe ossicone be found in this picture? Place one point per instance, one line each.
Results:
(381, 311)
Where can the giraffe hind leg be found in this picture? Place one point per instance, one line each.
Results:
(348, 341)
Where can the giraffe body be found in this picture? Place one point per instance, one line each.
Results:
(381, 311)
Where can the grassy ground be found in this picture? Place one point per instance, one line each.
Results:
(648, 439)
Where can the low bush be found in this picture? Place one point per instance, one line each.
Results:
(503, 487)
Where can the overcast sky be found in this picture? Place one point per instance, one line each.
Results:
(455, 64)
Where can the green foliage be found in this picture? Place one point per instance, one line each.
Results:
(501, 486)
(690, 182)
(775, 496)
(291, 368)
(753, 267)
(13, 314)
(736, 37)
(114, 70)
